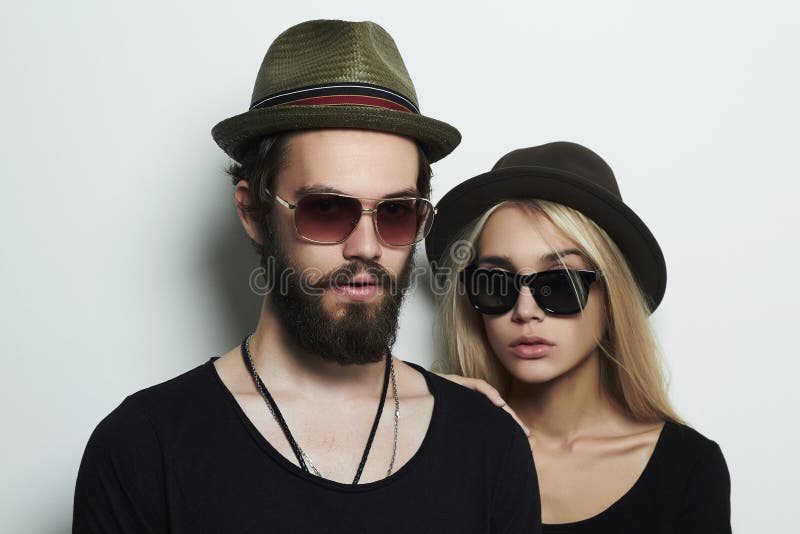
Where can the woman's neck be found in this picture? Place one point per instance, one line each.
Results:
(566, 408)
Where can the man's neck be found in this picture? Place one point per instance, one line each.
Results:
(283, 364)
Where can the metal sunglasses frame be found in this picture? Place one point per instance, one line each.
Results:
(374, 211)
(588, 277)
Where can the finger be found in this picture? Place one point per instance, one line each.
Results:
(518, 420)
(484, 387)
(489, 391)
(479, 385)
(458, 379)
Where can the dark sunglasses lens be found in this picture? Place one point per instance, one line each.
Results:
(491, 291)
(404, 221)
(561, 292)
(326, 218)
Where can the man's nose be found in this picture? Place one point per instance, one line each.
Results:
(363, 242)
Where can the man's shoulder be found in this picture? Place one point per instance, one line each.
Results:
(156, 406)
(468, 411)
(124, 465)
(174, 391)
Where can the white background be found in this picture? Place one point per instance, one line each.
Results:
(124, 263)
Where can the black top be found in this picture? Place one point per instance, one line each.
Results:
(183, 457)
(684, 488)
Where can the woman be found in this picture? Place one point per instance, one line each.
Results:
(550, 282)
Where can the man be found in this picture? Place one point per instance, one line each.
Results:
(311, 425)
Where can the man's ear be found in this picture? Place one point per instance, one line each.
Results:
(241, 197)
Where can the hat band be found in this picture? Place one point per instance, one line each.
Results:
(339, 94)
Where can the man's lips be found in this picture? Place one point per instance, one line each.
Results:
(361, 287)
(361, 280)
(364, 279)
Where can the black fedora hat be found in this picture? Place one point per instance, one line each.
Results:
(562, 172)
(334, 74)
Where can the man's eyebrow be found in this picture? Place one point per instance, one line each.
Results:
(309, 189)
(506, 263)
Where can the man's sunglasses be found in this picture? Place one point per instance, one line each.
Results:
(329, 218)
(559, 292)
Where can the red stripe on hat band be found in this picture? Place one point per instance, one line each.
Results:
(341, 100)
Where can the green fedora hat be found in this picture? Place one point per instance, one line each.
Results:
(334, 74)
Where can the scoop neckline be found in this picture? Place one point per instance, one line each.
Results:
(295, 470)
(556, 528)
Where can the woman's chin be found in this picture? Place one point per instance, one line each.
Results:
(537, 371)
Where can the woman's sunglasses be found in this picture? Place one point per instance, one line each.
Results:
(559, 292)
(329, 218)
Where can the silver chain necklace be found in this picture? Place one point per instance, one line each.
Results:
(306, 458)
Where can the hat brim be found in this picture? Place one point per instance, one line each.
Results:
(467, 201)
(234, 134)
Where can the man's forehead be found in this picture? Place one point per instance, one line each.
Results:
(358, 163)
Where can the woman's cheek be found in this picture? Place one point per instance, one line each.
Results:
(496, 334)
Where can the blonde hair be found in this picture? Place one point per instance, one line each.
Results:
(631, 366)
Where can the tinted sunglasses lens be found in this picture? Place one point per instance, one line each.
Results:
(490, 291)
(404, 221)
(561, 292)
(326, 218)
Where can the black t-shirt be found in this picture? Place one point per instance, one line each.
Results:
(183, 457)
(684, 488)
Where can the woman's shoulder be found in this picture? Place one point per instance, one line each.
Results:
(688, 455)
(693, 469)
(684, 440)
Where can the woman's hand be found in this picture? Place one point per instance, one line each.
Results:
(482, 386)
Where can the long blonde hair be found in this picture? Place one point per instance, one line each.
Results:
(631, 367)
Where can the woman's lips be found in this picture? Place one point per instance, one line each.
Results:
(532, 351)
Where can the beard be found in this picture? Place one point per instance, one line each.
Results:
(358, 332)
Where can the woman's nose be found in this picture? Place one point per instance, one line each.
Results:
(526, 307)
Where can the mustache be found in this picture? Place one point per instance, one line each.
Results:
(343, 275)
